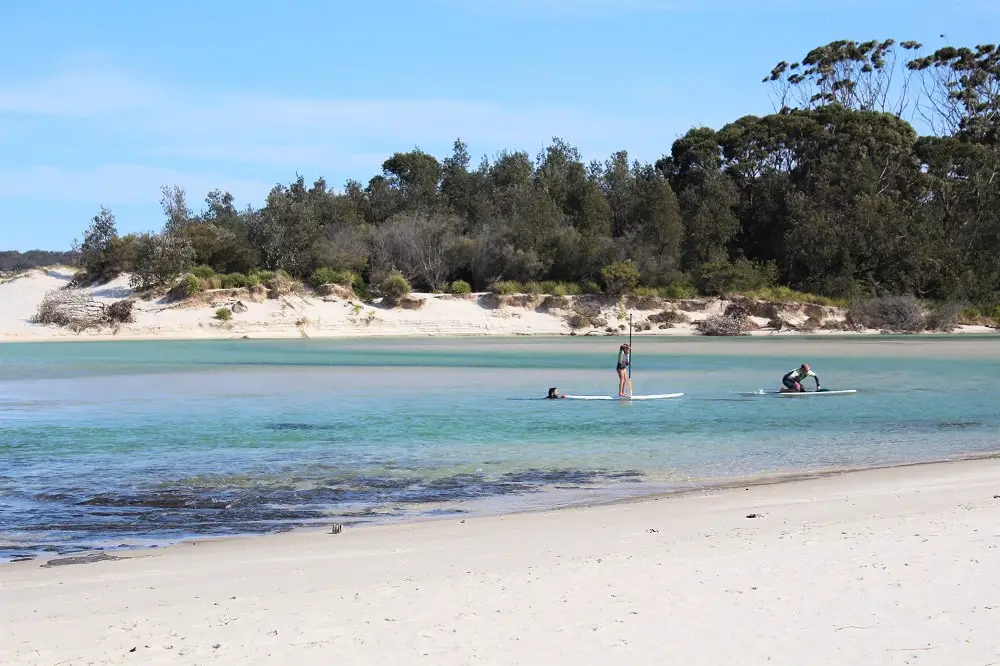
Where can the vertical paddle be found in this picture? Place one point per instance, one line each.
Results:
(630, 356)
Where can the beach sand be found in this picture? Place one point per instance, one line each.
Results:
(308, 315)
(892, 566)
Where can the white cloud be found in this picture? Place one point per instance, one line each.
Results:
(118, 184)
(85, 90)
(264, 129)
(133, 135)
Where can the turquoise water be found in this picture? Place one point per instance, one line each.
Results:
(108, 444)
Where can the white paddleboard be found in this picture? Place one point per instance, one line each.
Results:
(658, 396)
(792, 394)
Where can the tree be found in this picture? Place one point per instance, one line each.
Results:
(834, 193)
(98, 256)
(617, 179)
(864, 76)
(419, 247)
(175, 208)
(620, 277)
(416, 176)
(287, 230)
(657, 226)
(962, 87)
(160, 260)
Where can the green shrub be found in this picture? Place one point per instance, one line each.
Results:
(787, 295)
(278, 281)
(740, 276)
(679, 289)
(533, 288)
(253, 280)
(460, 287)
(159, 259)
(223, 314)
(645, 291)
(264, 276)
(620, 277)
(191, 285)
(591, 287)
(547, 286)
(203, 272)
(233, 281)
(506, 287)
(394, 287)
(361, 288)
(326, 275)
(980, 316)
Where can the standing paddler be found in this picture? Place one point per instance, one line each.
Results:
(624, 360)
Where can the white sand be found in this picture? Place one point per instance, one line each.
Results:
(895, 566)
(310, 316)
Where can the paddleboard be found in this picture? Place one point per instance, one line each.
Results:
(792, 394)
(658, 396)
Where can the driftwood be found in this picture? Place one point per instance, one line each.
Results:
(725, 325)
(79, 311)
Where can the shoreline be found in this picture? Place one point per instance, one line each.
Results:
(680, 336)
(860, 567)
(501, 335)
(339, 314)
(703, 489)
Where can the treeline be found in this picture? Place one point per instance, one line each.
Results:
(834, 194)
(11, 262)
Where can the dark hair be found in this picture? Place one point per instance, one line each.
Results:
(552, 392)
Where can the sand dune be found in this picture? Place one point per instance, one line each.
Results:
(894, 566)
(309, 315)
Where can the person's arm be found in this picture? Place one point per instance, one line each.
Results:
(816, 377)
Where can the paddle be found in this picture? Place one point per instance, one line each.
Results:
(630, 356)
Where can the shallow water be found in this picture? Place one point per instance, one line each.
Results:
(129, 443)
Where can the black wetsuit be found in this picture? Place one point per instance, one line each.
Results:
(796, 376)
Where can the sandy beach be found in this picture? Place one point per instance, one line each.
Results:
(892, 566)
(309, 315)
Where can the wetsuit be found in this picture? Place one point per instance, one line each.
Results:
(623, 359)
(796, 376)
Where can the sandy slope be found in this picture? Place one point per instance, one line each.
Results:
(893, 566)
(306, 316)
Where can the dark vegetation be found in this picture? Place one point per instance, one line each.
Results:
(12, 262)
(833, 199)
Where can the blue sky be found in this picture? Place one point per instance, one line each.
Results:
(104, 102)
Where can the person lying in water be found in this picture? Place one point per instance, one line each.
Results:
(624, 359)
(792, 381)
(554, 394)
